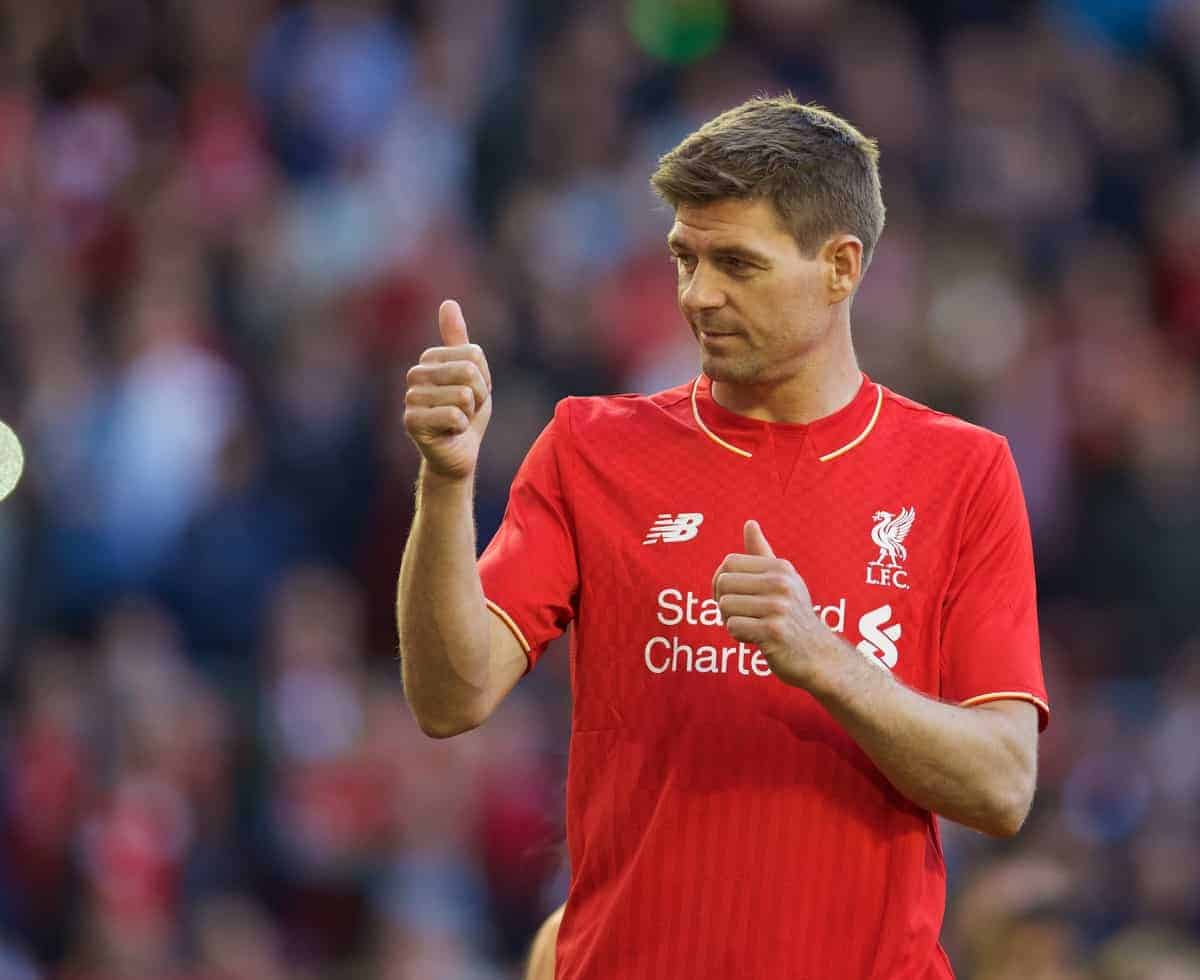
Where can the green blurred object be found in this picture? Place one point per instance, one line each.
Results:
(678, 31)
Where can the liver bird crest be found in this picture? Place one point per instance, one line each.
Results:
(889, 533)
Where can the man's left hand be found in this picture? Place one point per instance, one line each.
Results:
(764, 602)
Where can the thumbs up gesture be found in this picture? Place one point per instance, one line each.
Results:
(448, 401)
(764, 602)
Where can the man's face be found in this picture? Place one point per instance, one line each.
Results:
(754, 302)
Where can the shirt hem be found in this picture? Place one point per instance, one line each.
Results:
(513, 628)
(1042, 706)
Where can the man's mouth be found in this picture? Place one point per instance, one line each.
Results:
(714, 331)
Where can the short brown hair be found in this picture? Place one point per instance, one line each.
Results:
(820, 172)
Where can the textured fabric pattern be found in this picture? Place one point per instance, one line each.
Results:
(719, 822)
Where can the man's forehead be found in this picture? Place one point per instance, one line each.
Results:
(726, 221)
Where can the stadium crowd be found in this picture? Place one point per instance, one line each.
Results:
(225, 228)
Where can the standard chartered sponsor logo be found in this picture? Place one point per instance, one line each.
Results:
(877, 644)
(667, 653)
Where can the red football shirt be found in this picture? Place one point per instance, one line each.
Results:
(719, 822)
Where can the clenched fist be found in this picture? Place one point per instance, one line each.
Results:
(448, 401)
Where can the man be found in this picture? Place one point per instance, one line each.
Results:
(803, 605)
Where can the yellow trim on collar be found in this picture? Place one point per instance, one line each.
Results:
(709, 432)
(749, 455)
(862, 435)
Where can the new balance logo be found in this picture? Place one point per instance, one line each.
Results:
(878, 645)
(674, 527)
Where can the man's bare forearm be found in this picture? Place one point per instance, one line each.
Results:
(973, 765)
(440, 609)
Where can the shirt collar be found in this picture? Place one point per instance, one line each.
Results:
(832, 436)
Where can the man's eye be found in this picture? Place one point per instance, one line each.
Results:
(734, 264)
(685, 262)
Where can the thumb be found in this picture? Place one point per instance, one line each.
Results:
(451, 324)
(756, 541)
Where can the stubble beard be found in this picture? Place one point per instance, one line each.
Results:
(744, 369)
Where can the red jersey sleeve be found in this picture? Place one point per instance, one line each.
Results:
(990, 646)
(529, 569)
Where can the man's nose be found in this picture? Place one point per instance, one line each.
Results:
(701, 292)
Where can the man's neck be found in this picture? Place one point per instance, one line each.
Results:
(819, 387)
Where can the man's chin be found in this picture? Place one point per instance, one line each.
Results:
(728, 370)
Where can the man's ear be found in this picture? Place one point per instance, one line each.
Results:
(843, 267)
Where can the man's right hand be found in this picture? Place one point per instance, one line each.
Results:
(449, 398)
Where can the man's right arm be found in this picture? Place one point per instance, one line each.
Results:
(458, 660)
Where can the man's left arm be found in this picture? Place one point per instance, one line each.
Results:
(974, 765)
(977, 766)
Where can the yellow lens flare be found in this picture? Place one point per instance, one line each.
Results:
(12, 460)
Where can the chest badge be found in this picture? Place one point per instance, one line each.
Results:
(889, 533)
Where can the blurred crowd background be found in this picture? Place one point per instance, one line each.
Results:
(225, 227)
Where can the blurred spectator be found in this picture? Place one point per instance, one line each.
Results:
(218, 576)
(237, 941)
